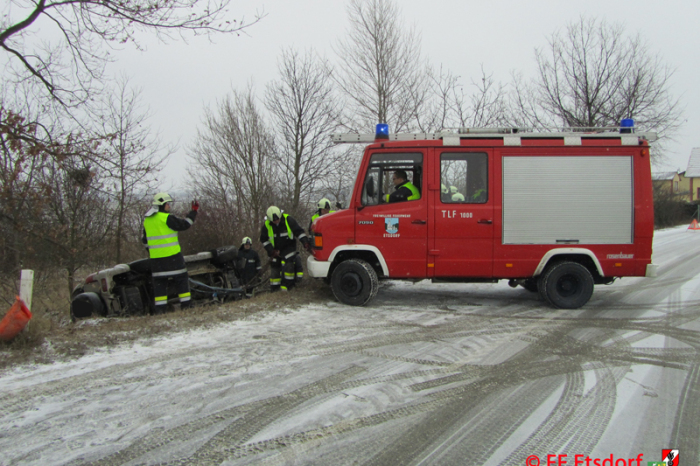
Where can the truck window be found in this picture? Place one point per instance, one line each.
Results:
(378, 180)
(463, 178)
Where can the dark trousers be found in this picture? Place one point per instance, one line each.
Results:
(282, 274)
(247, 276)
(165, 269)
(298, 268)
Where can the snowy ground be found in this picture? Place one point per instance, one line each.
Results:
(428, 374)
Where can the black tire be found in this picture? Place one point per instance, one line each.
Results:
(540, 286)
(354, 282)
(86, 305)
(530, 285)
(567, 285)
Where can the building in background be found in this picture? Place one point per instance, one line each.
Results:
(690, 182)
(667, 182)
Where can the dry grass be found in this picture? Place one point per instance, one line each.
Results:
(51, 336)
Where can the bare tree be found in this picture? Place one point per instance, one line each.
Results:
(131, 155)
(234, 155)
(21, 161)
(305, 112)
(27, 150)
(54, 69)
(593, 75)
(382, 73)
(342, 171)
(449, 106)
(76, 219)
(72, 67)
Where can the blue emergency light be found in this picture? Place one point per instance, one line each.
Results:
(627, 125)
(382, 132)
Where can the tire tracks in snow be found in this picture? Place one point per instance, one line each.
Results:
(460, 403)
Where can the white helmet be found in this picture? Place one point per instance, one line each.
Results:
(324, 204)
(273, 213)
(161, 199)
(246, 240)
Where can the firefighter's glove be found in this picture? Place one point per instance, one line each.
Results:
(195, 205)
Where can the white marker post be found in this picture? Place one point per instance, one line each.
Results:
(26, 286)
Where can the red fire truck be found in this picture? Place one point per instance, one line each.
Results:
(554, 212)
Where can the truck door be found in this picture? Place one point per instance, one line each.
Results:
(398, 229)
(462, 218)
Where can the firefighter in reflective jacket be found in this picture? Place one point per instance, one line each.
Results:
(278, 236)
(324, 207)
(404, 190)
(160, 229)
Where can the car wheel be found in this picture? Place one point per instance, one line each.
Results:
(86, 305)
(567, 285)
(354, 282)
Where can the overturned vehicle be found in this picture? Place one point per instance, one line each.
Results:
(127, 289)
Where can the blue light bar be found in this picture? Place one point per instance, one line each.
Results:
(627, 125)
(382, 131)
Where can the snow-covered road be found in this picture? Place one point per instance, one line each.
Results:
(428, 374)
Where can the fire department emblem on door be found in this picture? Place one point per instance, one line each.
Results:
(392, 225)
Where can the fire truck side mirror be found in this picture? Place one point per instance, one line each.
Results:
(369, 187)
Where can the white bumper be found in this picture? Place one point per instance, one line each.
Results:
(317, 269)
(651, 270)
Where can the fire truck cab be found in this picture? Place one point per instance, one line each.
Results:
(554, 212)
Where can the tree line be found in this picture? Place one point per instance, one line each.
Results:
(79, 162)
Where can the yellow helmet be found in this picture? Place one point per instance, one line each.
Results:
(324, 204)
(246, 240)
(161, 199)
(273, 213)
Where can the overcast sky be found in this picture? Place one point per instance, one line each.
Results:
(178, 80)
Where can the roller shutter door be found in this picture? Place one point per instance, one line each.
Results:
(560, 200)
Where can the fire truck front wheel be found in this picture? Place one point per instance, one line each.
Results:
(567, 285)
(354, 282)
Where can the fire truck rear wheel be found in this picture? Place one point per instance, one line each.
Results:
(567, 285)
(354, 282)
